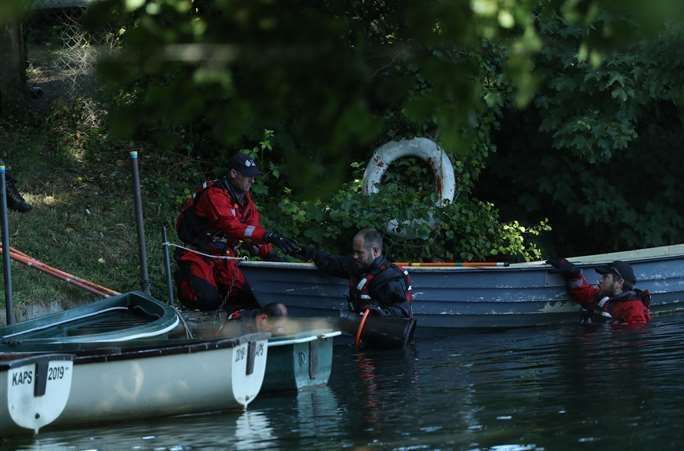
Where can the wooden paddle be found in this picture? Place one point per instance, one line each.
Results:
(87, 285)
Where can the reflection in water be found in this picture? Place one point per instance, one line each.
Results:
(317, 410)
(368, 378)
(252, 429)
(551, 388)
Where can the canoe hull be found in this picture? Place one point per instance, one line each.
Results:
(33, 391)
(147, 384)
(299, 361)
(519, 295)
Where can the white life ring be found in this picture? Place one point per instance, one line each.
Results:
(422, 148)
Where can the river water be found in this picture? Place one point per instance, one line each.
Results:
(568, 387)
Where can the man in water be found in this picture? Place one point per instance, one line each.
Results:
(615, 299)
(269, 318)
(375, 283)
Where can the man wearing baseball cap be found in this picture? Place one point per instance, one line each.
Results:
(615, 299)
(214, 221)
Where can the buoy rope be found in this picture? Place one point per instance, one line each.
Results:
(194, 251)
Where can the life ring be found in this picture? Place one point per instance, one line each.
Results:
(424, 149)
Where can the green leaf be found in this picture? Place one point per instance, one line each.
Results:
(132, 5)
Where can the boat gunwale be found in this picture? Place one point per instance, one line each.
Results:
(155, 349)
(65, 321)
(524, 266)
(17, 360)
(331, 334)
(302, 338)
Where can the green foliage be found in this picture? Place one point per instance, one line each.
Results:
(78, 180)
(463, 230)
(332, 79)
(10, 10)
(605, 139)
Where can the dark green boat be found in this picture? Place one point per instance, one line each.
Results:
(298, 361)
(128, 316)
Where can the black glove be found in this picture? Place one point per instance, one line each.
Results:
(307, 253)
(285, 244)
(272, 257)
(567, 269)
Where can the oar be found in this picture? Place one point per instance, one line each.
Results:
(87, 285)
(58, 273)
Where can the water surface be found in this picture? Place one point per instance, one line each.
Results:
(548, 388)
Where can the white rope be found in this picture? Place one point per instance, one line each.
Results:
(221, 257)
(188, 332)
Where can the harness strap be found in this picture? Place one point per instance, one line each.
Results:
(363, 285)
(361, 328)
(188, 222)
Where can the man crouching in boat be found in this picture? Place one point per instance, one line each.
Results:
(212, 223)
(614, 300)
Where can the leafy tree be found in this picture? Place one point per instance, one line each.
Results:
(606, 137)
(333, 80)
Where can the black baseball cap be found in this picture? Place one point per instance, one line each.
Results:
(244, 165)
(620, 269)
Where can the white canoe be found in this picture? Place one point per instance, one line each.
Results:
(146, 382)
(33, 390)
(127, 381)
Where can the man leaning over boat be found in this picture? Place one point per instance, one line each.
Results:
(375, 283)
(614, 300)
(212, 223)
(269, 318)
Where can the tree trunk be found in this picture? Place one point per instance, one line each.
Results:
(12, 68)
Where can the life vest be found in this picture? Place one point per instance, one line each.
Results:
(359, 287)
(601, 313)
(194, 230)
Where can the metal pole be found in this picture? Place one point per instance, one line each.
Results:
(167, 265)
(144, 275)
(6, 262)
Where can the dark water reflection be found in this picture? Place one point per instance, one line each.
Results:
(551, 388)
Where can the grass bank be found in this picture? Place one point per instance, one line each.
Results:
(79, 182)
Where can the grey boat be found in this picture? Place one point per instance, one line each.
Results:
(120, 318)
(517, 295)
